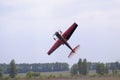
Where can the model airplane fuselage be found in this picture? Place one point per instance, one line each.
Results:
(63, 38)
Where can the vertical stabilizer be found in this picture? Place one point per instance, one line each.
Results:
(74, 51)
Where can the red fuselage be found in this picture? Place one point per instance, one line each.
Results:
(59, 36)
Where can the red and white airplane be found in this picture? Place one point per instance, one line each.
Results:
(63, 38)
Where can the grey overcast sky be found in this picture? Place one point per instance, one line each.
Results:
(27, 26)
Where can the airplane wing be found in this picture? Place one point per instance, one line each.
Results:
(67, 34)
(55, 46)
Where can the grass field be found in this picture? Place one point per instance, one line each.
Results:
(63, 76)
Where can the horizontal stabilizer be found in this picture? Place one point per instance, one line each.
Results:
(74, 51)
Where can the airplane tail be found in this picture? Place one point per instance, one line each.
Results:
(74, 51)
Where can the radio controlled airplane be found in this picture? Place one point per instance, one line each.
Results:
(63, 38)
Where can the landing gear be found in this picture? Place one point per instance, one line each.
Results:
(60, 32)
(54, 37)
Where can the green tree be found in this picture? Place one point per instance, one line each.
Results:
(100, 68)
(1, 73)
(29, 74)
(12, 69)
(106, 70)
(80, 66)
(74, 69)
(84, 67)
(114, 70)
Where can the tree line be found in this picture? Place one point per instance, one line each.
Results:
(83, 67)
(37, 67)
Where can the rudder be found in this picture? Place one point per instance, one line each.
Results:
(74, 50)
